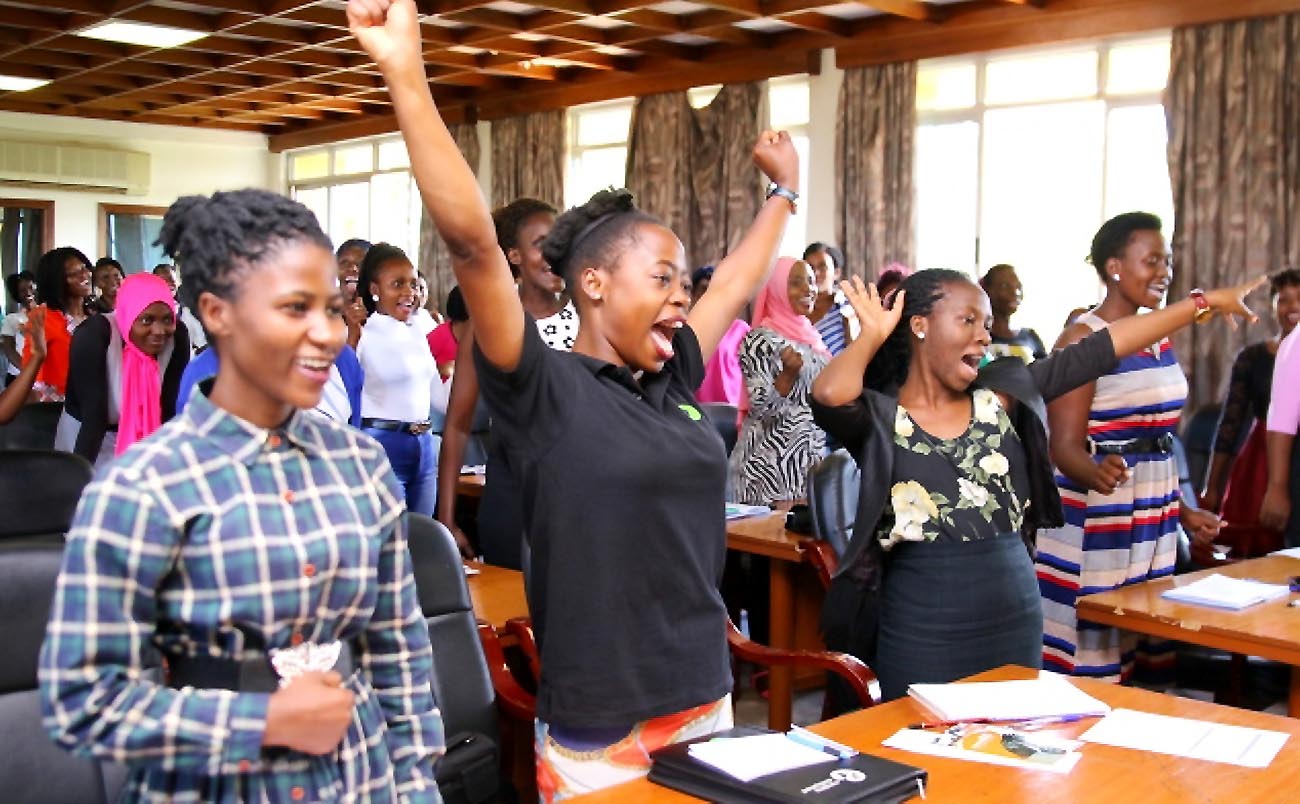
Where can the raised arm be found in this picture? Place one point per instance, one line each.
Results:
(841, 381)
(389, 30)
(15, 395)
(1136, 332)
(742, 272)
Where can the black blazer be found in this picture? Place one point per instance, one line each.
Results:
(88, 391)
(865, 427)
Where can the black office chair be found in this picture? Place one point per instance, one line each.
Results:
(39, 492)
(833, 498)
(33, 428)
(462, 686)
(1198, 440)
(724, 419)
(32, 769)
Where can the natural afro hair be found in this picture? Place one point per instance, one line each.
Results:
(457, 311)
(52, 279)
(508, 219)
(594, 233)
(1285, 278)
(216, 239)
(1114, 235)
(888, 368)
(378, 254)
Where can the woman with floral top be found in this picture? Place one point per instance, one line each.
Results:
(959, 476)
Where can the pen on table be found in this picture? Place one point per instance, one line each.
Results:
(1013, 721)
(804, 737)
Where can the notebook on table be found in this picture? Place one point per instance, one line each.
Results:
(859, 778)
(1049, 695)
(1224, 592)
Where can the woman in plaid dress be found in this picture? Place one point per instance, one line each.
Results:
(254, 545)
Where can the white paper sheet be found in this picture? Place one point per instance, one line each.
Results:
(1224, 592)
(1049, 695)
(1290, 552)
(1184, 737)
(938, 744)
(747, 758)
(741, 511)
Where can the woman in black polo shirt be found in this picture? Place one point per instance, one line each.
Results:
(622, 475)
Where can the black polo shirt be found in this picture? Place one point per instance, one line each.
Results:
(623, 484)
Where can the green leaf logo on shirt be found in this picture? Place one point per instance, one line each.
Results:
(692, 411)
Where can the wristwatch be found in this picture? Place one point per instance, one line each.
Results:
(1203, 311)
(786, 193)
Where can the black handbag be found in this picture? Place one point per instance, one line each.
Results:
(469, 773)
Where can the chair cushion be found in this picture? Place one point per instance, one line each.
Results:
(28, 573)
(34, 770)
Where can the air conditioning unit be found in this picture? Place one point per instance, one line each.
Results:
(74, 167)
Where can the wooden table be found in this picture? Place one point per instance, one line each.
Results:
(1270, 630)
(471, 485)
(1104, 774)
(497, 593)
(793, 608)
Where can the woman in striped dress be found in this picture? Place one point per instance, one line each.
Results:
(1112, 443)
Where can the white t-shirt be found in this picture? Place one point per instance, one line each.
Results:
(334, 402)
(12, 327)
(402, 381)
(424, 322)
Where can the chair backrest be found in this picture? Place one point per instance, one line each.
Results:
(833, 499)
(39, 491)
(724, 419)
(1198, 439)
(33, 428)
(32, 769)
(1183, 556)
(462, 686)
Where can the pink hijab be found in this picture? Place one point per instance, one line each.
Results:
(141, 407)
(772, 310)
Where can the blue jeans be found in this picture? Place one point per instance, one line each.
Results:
(415, 462)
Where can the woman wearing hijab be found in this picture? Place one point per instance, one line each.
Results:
(780, 358)
(124, 370)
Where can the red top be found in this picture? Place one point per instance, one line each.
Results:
(442, 343)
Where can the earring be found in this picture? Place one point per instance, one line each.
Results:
(920, 336)
(595, 297)
(1115, 277)
(374, 297)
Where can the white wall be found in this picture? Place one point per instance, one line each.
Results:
(183, 161)
(823, 100)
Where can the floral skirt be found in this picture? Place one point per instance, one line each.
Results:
(571, 762)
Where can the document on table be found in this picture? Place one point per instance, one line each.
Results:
(1049, 695)
(1184, 737)
(1224, 592)
(1290, 552)
(994, 745)
(740, 511)
(747, 758)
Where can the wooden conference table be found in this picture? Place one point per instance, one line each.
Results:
(497, 594)
(1270, 630)
(1104, 774)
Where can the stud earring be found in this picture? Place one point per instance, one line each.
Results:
(920, 336)
(374, 297)
(1115, 277)
(595, 297)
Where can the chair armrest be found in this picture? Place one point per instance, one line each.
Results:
(822, 557)
(521, 628)
(514, 700)
(850, 668)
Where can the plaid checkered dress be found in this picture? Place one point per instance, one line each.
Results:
(210, 537)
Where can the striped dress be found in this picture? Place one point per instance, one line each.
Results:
(1126, 537)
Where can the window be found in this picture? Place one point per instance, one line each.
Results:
(127, 233)
(360, 189)
(27, 232)
(598, 138)
(1021, 156)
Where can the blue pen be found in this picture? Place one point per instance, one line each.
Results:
(804, 737)
(1039, 722)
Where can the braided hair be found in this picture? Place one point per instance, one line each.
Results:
(378, 254)
(1113, 236)
(217, 239)
(888, 368)
(52, 279)
(595, 233)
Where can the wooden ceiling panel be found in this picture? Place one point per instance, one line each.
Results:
(290, 69)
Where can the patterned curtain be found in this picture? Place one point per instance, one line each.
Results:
(693, 167)
(1233, 111)
(528, 158)
(874, 131)
(435, 261)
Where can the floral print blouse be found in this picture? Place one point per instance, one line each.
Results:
(961, 489)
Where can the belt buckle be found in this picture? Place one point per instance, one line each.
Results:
(1166, 443)
(307, 657)
(418, 428)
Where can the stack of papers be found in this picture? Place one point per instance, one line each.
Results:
(1223, 592)
(992, 744)
(747, 758)
(1049, 695)
(738, 511)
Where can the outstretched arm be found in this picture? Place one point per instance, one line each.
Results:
(389, 31)
(1135, 332)
(742, 272)
(841, 381)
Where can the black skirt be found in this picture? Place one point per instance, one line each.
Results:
(951, 609)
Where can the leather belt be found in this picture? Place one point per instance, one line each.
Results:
(414, 428)
(1163, 445)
